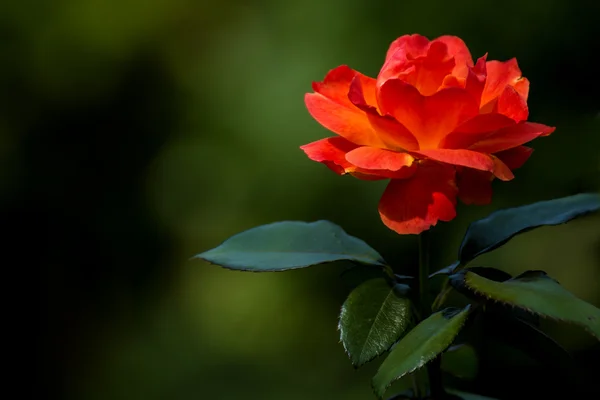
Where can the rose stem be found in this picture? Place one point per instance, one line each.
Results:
(433, 367)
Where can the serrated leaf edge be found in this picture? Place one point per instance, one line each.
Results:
(512, 305)
(467, 310)
(356, 365)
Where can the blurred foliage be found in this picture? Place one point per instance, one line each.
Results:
(134, 134)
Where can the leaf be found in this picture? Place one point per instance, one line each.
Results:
(529, 339)
(446, 270)
(421, 345)
(354, 274)
(499, 227)
(460, 361)
(373, 318)
(405, 395)
(290, 244)
(446, 289)
(536, 292)
(468, 396)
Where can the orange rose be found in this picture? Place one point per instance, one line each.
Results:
(433, 122)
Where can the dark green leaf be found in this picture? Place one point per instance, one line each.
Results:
(441, 297)
(491, 273)
(536, 292)
(506, 311)
(527, 338)
(460, 361)
(446, 289)
(446, 270)
(355, 274)
(373, 318)
(290, 244)
(405, 395)
(468, 396)
(422, 344)
(499, 227)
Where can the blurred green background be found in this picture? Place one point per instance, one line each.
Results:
(135, 134)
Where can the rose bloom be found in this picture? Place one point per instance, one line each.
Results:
(434, 123)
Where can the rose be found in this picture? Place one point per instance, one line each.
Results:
(433, 122)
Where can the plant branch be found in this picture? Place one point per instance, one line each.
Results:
(434, 373)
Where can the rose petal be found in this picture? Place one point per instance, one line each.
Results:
(459, 50)
(425, 71)
(332, 108)
(515, 158)
(410, 206)
(394, 135)
(363, 93)
(471, 159)
(511, 136)
(382, 162)
(522, 87)
(499, 75)
(474, 187)
(428, 118)
(453, 81)
(475, 129)
(408, 45)
(347, 121)
(476, 78)
(331, 152)
(431, 70)
(511, 104)
(336, 84)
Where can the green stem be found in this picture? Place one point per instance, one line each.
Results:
(434, 374)
(424, 274)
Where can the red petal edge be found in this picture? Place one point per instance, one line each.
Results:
(411, 206)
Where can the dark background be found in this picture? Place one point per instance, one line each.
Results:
(135, 134)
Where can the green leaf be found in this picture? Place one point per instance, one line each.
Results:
(468, 396)
(499, 227)
(373, 318)
(354, 274)
(421, 345)
(528, 338)
(461, 361)
(536, 292)
(405, 395)
(290, 244)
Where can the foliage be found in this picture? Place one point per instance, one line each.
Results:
(378, 314)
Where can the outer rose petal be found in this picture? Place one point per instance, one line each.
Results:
(474, 187)
(511, 136)
(347, 121)
(522, 87)
(470, 159)
(362, 92)
(331, 107)
(511, 104)
(410, 206)
(382, 162)
(337, 82)
(499, 75)
(515, 158)
(429, 118)
(475, 129)
(331, 152)
(476, 77)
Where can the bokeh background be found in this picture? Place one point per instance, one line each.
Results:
(137, 133)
